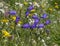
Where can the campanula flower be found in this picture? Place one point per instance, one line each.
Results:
(33, 26)
(47, 22)
(44, 16)
(26, 25)
(27, 13)
(35, 17)
(17, 19)
(12, 12)
(41, 25)
(30, 7)
(36, 21)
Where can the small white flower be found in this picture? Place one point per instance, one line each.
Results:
(56, 45)
(38, 32)
(31, 21)
(16, 3)
(30, 3)
(54, 9)
(35, 13)
(54, 21)
(43, 40)
(59, 20)
(44, 4)
(2, 22)
(6, 7)
(27, 16)
(1, 4)
(38, 38)
(48, 38)
(47, 2)
(44, 44)
(18, 25)
(7, 23)
(51, 0)
(58, 12)
(36, 4)
(21, 5)
(2, 10)
(33, 41)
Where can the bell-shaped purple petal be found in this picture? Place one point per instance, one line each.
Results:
(30, 7)
(12, 12)
(36, 21)
(27, 13)
(17, 19)
(35, 17)
(41, 25)
(26, 25)
(33, 26)
(44, 16)
(47, 22)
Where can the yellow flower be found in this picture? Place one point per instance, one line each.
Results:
(56, 3)
(5, 33)
(25, 3)
(30, 15)
(20, 22)
(12, 27)
(5, 20)
(42, 6)
(32, 10)
(13, 17)
(56, 6)
(50, 9)
(35, 3)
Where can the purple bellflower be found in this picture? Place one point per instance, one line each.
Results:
(26, 25)
(12, 12)
(44, 16)
(33, 26)
(27, 13)
(17, 19)
(41, 25)
(47, 22)
(36, 21)
(30, 7)
(35, 17)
